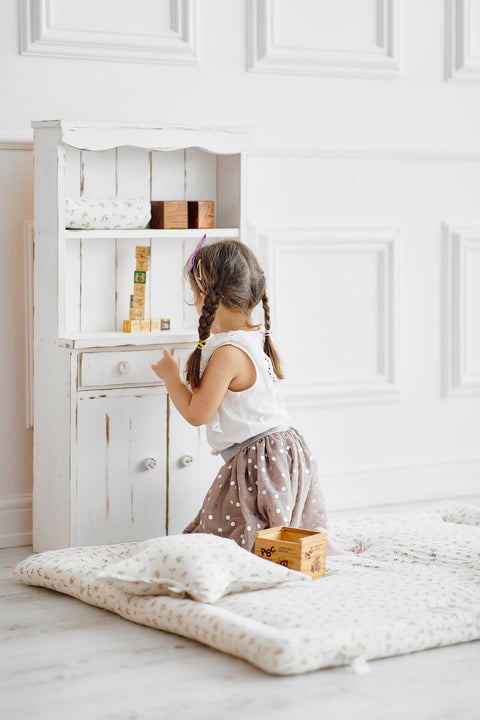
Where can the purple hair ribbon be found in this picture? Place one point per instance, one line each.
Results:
(191, 262)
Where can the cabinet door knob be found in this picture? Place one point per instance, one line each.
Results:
(150, 463)
(123, 367)
(186, 460)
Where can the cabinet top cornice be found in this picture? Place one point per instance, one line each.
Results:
(103, 136)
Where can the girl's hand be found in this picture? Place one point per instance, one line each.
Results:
(167, 368)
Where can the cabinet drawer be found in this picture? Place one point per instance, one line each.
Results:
(113, 369)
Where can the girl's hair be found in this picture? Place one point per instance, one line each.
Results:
(229, 273)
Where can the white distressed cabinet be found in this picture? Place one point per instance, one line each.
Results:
(113, 459)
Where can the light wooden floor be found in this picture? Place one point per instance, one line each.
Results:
(60, 658)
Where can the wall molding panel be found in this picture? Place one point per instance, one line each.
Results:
(382, 244)
(461, 377)
(462, 63)
(267, 54)
(175, 45)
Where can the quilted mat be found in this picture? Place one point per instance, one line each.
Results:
(417, 586)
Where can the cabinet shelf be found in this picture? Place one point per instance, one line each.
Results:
(147, 234)
(83, 341)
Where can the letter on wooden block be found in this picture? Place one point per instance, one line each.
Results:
(165, 323)
(145, 325)
(140, 277)
(155, 324)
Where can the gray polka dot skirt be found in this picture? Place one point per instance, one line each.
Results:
(273, 481)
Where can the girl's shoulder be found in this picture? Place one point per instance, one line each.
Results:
(251, 341)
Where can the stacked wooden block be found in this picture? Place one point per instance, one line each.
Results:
(137, 321)
(182, 214)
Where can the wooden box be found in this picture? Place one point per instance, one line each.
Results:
(201, 214)
(169, 214)
(295, 548)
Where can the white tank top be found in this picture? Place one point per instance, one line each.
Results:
(250, 412)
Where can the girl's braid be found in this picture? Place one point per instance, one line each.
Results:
(268, 346)
(266, 311)
(205, 321)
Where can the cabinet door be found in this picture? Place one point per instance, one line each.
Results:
(121, 467)
(192, 469)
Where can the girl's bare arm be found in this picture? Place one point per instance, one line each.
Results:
(226, 366)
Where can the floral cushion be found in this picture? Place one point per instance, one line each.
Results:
(201, 566)
(87, 213)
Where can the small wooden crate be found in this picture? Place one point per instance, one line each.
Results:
(172, 214)
(295, 548)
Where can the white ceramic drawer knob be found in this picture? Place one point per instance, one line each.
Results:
(186, 460)
(123, 367)
(150, 463)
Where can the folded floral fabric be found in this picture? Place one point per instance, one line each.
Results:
(107, 213)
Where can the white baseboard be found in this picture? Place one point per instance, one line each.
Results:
(16, 521)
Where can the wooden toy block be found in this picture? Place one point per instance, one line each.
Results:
(169, 214)
(138, 299)
(136, 313)
(165, 323)
(142, 252)
(155, 324)
(140, 277)
(142, 257)
(139, 304)
(145, 325)
(138, 291)
(131, 326)
(295, 548)
(143, 264)
(201, 214)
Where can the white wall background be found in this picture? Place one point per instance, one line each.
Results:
(362, 196)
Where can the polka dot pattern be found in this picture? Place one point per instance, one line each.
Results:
(282, 489)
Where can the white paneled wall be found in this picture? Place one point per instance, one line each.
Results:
(377, 314)
(157, 31)
(317, 38)
(362, 200)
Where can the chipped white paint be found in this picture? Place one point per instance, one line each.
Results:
(101, 415)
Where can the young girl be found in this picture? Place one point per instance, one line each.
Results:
(269, 477)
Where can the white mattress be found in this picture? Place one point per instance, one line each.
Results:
(417, 586)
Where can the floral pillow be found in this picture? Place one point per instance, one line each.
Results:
(202, 566)
(103, 213)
